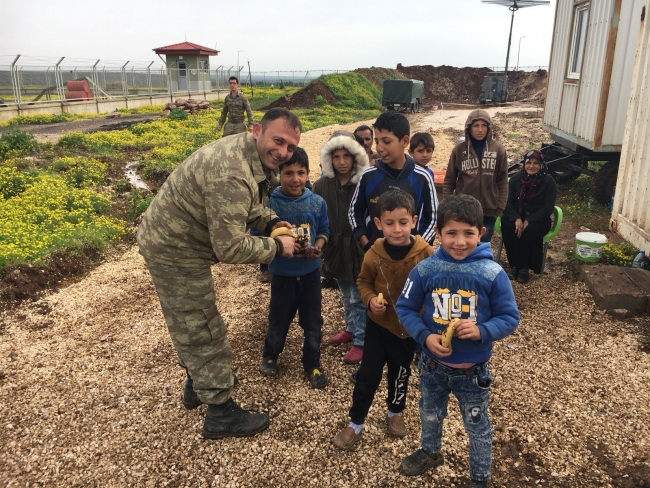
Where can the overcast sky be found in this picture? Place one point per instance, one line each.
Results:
(278, 35)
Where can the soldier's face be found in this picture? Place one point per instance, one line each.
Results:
(276, 143)
(233, 85)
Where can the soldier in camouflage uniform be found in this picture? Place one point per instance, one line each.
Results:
(200, 217)
(235, 104)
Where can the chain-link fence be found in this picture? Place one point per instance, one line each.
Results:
(28, 81)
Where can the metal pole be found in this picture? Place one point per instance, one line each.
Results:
(59, 80)
(125, 90)
(238, 69)
(512, 19)
(149, 78)
(14, 80)
(94, 75)
(518, 50)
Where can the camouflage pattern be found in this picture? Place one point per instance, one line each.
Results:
(200, 216)
(230, 129)
(197, 330)
(235, 108)
(202, 212)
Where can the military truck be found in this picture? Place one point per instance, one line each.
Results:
(494, 88)
(402, 95)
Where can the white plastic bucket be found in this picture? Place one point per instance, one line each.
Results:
(589, 245)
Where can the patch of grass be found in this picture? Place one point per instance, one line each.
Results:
(34, 119)
(512, 135)
(353, 90)
(147, 109)
(16, 143)
(579, 206)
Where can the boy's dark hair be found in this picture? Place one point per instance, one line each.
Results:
(233, 78)
(394, 199)
(298, 157)
(461, 208)
(422, 138)
(393, 122)
(362, 128)
(359, 140)
(281, 113)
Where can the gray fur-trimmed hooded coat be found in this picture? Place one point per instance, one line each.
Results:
(342, 255)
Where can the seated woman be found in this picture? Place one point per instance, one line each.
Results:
(527, 216)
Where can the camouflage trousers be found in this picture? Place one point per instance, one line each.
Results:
(230, 128)
(196, 328)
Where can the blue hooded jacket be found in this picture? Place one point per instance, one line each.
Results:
(474, 288)
(308, 215)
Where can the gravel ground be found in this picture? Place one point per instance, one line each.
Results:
(92, 395)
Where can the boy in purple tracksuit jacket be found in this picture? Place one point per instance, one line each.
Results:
(460, 281)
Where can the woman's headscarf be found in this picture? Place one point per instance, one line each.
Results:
(530, 183)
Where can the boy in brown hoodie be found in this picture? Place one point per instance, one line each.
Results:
(478, 167)
(386, 266)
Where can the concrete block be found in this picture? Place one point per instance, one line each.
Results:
(613, 289)
(641, 278)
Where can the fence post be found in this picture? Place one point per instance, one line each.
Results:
(59, 80)
(125, 90)
(95, 80)
(14, 81)
(149, 78)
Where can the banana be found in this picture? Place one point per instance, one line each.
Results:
(282, 231)
(380, 299)
(448, 333)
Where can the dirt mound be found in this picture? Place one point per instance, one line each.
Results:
(305, 98)
(376, 76)
(463, 85)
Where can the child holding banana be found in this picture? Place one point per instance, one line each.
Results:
(468, 304)
(383, 273)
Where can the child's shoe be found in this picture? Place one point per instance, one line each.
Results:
(317, 378)
(341, 338)
(347, 439)
(269, 366)
(396, 426)
(353, 356)
(419, 462)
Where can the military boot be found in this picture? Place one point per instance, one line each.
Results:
(190, 398)
(230, 420)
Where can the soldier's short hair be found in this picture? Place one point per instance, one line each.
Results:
(233, 78)
(290, 118)
(298, 157)
(394, 122)
(394, 199)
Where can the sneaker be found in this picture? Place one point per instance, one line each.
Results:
(512, 274)
(317, 378)
(190, 398)
(341, 338)
(478, 484)
(347, 439)
(264, 277)
(419, 462)
(230, 420)
(396, 426)
(353, 356)
(269, 366)
(523, 276)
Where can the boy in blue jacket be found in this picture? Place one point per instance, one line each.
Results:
(295, 282)
(395, 170)
(460, 281)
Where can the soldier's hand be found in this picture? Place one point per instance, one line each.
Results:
(288, 243)
(282, 223)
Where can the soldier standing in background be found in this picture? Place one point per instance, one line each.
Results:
(234, 105)
(200, 217)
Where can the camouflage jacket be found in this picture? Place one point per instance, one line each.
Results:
(203, 210)
(235, 108)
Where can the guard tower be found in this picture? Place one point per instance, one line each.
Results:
(188, 65)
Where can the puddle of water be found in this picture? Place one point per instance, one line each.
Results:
(133, 177)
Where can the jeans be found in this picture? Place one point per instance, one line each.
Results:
(488, 223)
(354, 311)
(470, 387)
(382, 348)
(291, 294)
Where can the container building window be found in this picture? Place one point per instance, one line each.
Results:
(203, 66)
(580, 20)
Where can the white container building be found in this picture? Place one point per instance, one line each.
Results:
(631, 212)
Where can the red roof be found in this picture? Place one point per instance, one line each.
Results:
(186, 48)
